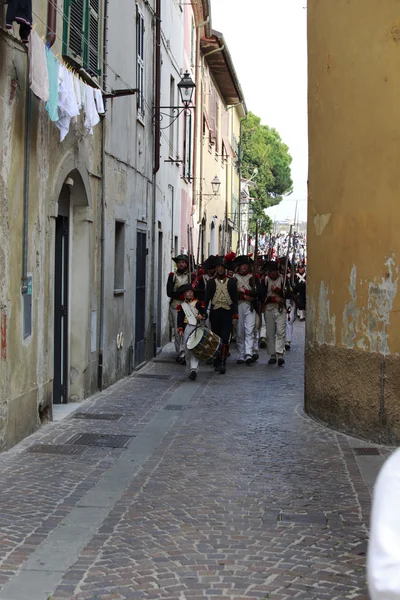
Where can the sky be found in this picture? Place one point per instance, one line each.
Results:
(267, 40)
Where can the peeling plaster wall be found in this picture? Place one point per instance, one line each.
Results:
(353, 310)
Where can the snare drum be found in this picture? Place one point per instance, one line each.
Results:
(204, 343)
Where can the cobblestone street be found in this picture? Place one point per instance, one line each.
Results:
(223, 488)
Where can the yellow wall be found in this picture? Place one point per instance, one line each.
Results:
(353, 311)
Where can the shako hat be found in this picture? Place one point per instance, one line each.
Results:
(181, 257)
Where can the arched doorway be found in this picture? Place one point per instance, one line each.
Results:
(72, 285)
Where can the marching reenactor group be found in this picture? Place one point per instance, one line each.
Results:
(232, 297)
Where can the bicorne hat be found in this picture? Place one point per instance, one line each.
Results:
(181, 257)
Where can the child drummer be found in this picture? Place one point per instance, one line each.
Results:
(190, 314)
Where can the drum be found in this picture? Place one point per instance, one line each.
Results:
(204, 343)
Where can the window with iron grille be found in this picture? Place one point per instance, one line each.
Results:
(81, 34)
(140, 61)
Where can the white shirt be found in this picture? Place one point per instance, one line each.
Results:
(384, 544)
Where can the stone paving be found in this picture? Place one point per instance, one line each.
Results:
(242, 497)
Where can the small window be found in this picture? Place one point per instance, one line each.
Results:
(140, 61)
(119, 256)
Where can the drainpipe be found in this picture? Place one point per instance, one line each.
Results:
(171, 187)
(28, 111)
(157, 89)
(51, 33)
(215, 51)
(156, 168)
(103, 215)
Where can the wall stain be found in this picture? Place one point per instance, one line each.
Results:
(326, 325)
(321, 221)
(370, 322)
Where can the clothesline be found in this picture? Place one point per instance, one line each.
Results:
(64, 93)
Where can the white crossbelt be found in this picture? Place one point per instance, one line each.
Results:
(191, 313)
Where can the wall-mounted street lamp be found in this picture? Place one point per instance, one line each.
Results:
(215, 184)
(186, 88)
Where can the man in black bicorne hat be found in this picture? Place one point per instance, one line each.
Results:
(208, 272)
(248, 292)
(274, 291)
(221, 294)
(176, 280)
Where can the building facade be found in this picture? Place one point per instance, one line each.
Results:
(353, 305)
(221, 103)
(89, 225)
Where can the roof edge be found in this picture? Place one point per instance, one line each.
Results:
(229, 62)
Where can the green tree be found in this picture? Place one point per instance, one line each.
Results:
(263, 149)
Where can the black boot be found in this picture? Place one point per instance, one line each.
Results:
(224, 354)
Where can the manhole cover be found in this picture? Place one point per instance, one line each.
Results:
(366, 451)
(100, 440)
(97, 416)
(173, 407)
(57, 449)
(155, 376)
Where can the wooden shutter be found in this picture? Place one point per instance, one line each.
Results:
(212, 115)
(216, 123)
(187, 169)
(140, 60)
(93, 37)
(73, 34)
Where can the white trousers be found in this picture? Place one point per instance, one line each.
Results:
(245, 330)
(191, 358)
(263, 328)
(276, 329)
(179, 346)
(290, 319)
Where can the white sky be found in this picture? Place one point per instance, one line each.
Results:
(267, 40)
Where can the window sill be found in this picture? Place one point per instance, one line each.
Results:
(119, 292)
(140, 119)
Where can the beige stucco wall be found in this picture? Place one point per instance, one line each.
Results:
(353, 311)
(26, 365)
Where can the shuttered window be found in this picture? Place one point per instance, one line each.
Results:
(81, 34)
(140, 61)
(187, 148)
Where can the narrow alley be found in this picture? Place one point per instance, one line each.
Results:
(219, 488)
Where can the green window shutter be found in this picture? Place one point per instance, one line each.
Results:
(73, 34)
(92, 58)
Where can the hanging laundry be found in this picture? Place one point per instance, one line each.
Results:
(38, 75)
(20, 11)
(78, 95)
(53, 66)
(67, 104)
(91, 114)
(83, 92)
(98, 98)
